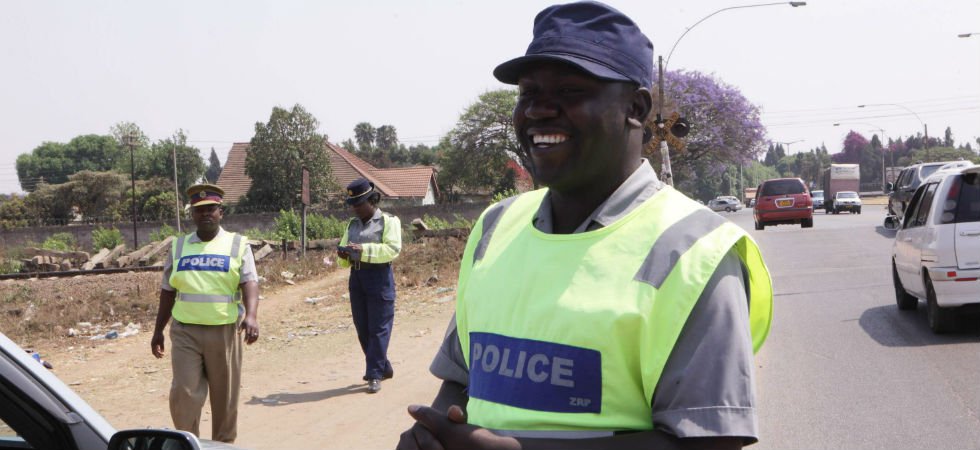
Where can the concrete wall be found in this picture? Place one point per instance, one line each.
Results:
(34, 236)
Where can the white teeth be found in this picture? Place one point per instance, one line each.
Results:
(548, 138)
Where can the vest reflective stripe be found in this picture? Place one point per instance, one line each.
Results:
(674, 242)
(554, 434)
(531, 304)
(206, 277)
(208, 298)
(490, 220)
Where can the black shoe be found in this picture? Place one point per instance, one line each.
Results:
(389, 374)
(374, 386)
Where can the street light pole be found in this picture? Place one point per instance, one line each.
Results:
(925, 128)
(661, 125)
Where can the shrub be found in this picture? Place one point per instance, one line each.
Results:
(106, 238)
(324, 227)
(162, 233)
(63, 242)
(503, 194)
(288, 225)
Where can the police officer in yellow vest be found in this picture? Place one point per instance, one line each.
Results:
(608, 310)
(210, 290)
(370, 243)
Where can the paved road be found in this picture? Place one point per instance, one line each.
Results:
(842, 367)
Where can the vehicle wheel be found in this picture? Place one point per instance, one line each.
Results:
(906, 301)
(836, 211)
(760, 226)
(941, 320)
(807, 223)
(728, 209)
(859, 210)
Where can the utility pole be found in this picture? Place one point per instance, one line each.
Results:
(662, 127)
(176, 189)
(130, 142)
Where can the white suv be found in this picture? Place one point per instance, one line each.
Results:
(936, 254)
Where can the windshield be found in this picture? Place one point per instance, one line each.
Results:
(928, 170)
(817, 194)
(847, 195)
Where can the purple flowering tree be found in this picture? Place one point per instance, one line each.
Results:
(725, 131)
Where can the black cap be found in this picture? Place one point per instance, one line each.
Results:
(358, 191)
(590, 35)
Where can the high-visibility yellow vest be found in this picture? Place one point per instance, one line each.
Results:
(385, 250)
(206, 276)
(570, 332)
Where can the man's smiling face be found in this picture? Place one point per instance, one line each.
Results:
(573, 124)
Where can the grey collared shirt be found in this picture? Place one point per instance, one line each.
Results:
(707, 386)
(246, 273)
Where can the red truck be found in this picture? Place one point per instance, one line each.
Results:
(839, 177)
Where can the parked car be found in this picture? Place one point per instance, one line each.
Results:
(37, 410)
(847, 201)
(908, 180)
(936, 252)
(783, 201)
(817, 197)
(724, 204)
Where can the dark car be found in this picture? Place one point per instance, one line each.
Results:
(909, 179)
(783, 201)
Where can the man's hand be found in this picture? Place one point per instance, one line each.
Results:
(437, 431)
(356, 248)
(251, 328)
(156, 345)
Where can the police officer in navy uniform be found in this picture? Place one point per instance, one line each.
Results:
(608, 282)
(370, 243)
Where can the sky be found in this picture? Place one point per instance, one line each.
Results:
(216, 68)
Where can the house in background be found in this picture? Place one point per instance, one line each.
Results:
(414, 186)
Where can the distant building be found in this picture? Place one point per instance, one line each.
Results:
(400, 185)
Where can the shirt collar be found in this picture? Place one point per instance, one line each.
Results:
(196, 239)
(638, 187)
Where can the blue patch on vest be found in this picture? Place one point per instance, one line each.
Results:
(209, 263)
(535, 375)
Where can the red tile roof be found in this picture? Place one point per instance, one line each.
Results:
(233, 179)
(402, 182)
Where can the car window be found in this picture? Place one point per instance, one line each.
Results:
(847, 195)
(910, 210)
(928, 170)
(782, 187)
(903, 178)
(925, 204)
(968, 202)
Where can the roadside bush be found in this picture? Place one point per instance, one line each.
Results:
(64, 242)
(287, 225)
(162, 233)
(9, 266)
(256, 233)
(503, 194)
(435, 223)
(106, 238)
(324, 227)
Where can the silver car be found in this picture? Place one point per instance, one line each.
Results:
(37, 410)
(727, 204)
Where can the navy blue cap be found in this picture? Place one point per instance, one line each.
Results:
(590, 35)
(358, 191)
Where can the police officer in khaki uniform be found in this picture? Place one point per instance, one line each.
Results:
(210, 291)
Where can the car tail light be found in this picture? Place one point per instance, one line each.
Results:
(949, 206)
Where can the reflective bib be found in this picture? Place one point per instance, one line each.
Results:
(206, 276)
(571, 332)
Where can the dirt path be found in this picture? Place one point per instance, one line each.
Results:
(302, 385)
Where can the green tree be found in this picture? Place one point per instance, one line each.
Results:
(476, 151)
(53, 162)
(158, 162)
(279, 151)
(214, 168)
(364, 134)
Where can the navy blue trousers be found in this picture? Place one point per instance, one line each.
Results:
(372, 304)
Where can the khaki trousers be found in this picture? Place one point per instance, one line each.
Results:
(205, 358)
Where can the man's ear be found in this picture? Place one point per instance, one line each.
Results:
(641, 103)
